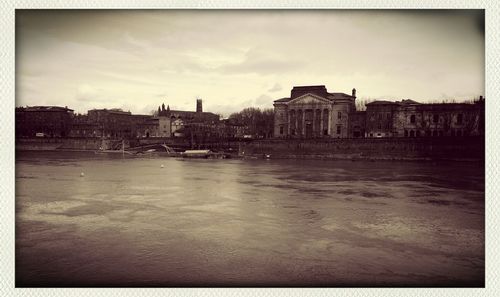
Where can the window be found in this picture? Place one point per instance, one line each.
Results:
(460, 118)
(435, 118)
(406, 133)
(281, 130)
(412, 133)
(293, 131)
(379, 126)
(435, 133)
(412, 119)
(339, 115)
(325, 132)
(338, 129)
(418, 133)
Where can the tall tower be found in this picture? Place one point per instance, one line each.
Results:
(199, 106)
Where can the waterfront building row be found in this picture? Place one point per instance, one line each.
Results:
(55, 121)
(309, 112)
(313, 112)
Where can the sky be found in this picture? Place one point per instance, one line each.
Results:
(232, 59)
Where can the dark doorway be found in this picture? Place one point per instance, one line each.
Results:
(309, 129)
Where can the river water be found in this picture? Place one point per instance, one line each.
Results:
(130, 222)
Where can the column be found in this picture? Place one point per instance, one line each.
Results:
(328, 122)
(321, 122)
(314, 132)
(288, 121)
(304, 122)
(296, 124)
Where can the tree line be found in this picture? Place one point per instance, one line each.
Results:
(258, 123)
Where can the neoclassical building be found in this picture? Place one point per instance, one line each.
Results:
(313, 112)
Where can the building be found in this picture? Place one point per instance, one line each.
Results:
(82, 127)
(172, 122)
(408, 118)
(357, 124)
(379, 118)
(144, 126)
(112, 123)
(43, 121)
(313, 112)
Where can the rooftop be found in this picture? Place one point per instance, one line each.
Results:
(45, 108)
(319, 90)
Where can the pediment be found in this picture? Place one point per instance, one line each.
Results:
(309, 99)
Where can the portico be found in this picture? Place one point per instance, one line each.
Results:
(308, 122)
(308, 113)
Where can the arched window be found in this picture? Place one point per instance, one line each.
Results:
(412, 119)
(412, 133)
(406, 133)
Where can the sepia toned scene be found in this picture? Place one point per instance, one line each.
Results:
(250, 148)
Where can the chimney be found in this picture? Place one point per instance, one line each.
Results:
(199, 106)
(354, 92)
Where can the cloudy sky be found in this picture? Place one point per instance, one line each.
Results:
(138, 59)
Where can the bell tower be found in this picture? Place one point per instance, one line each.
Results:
(199, 106)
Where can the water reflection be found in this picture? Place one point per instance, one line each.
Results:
(129, 222)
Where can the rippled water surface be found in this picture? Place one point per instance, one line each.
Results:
(129, 222)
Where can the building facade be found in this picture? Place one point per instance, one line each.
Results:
(172, 122)
(113, 123)
(82, 127)
(43, 121)
(313, 112)
(408, 118)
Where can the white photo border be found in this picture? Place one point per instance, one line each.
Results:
(7, 150)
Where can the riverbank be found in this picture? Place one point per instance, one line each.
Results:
(400, 149)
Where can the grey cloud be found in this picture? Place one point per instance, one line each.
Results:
(263, 100)
(88, 93)
(277, 87)
(261, 62)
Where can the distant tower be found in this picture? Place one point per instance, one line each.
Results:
(199, 106)
(354, 92)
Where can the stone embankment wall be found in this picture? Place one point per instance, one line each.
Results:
(360, 148)
(370, 148)
(36, 144)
